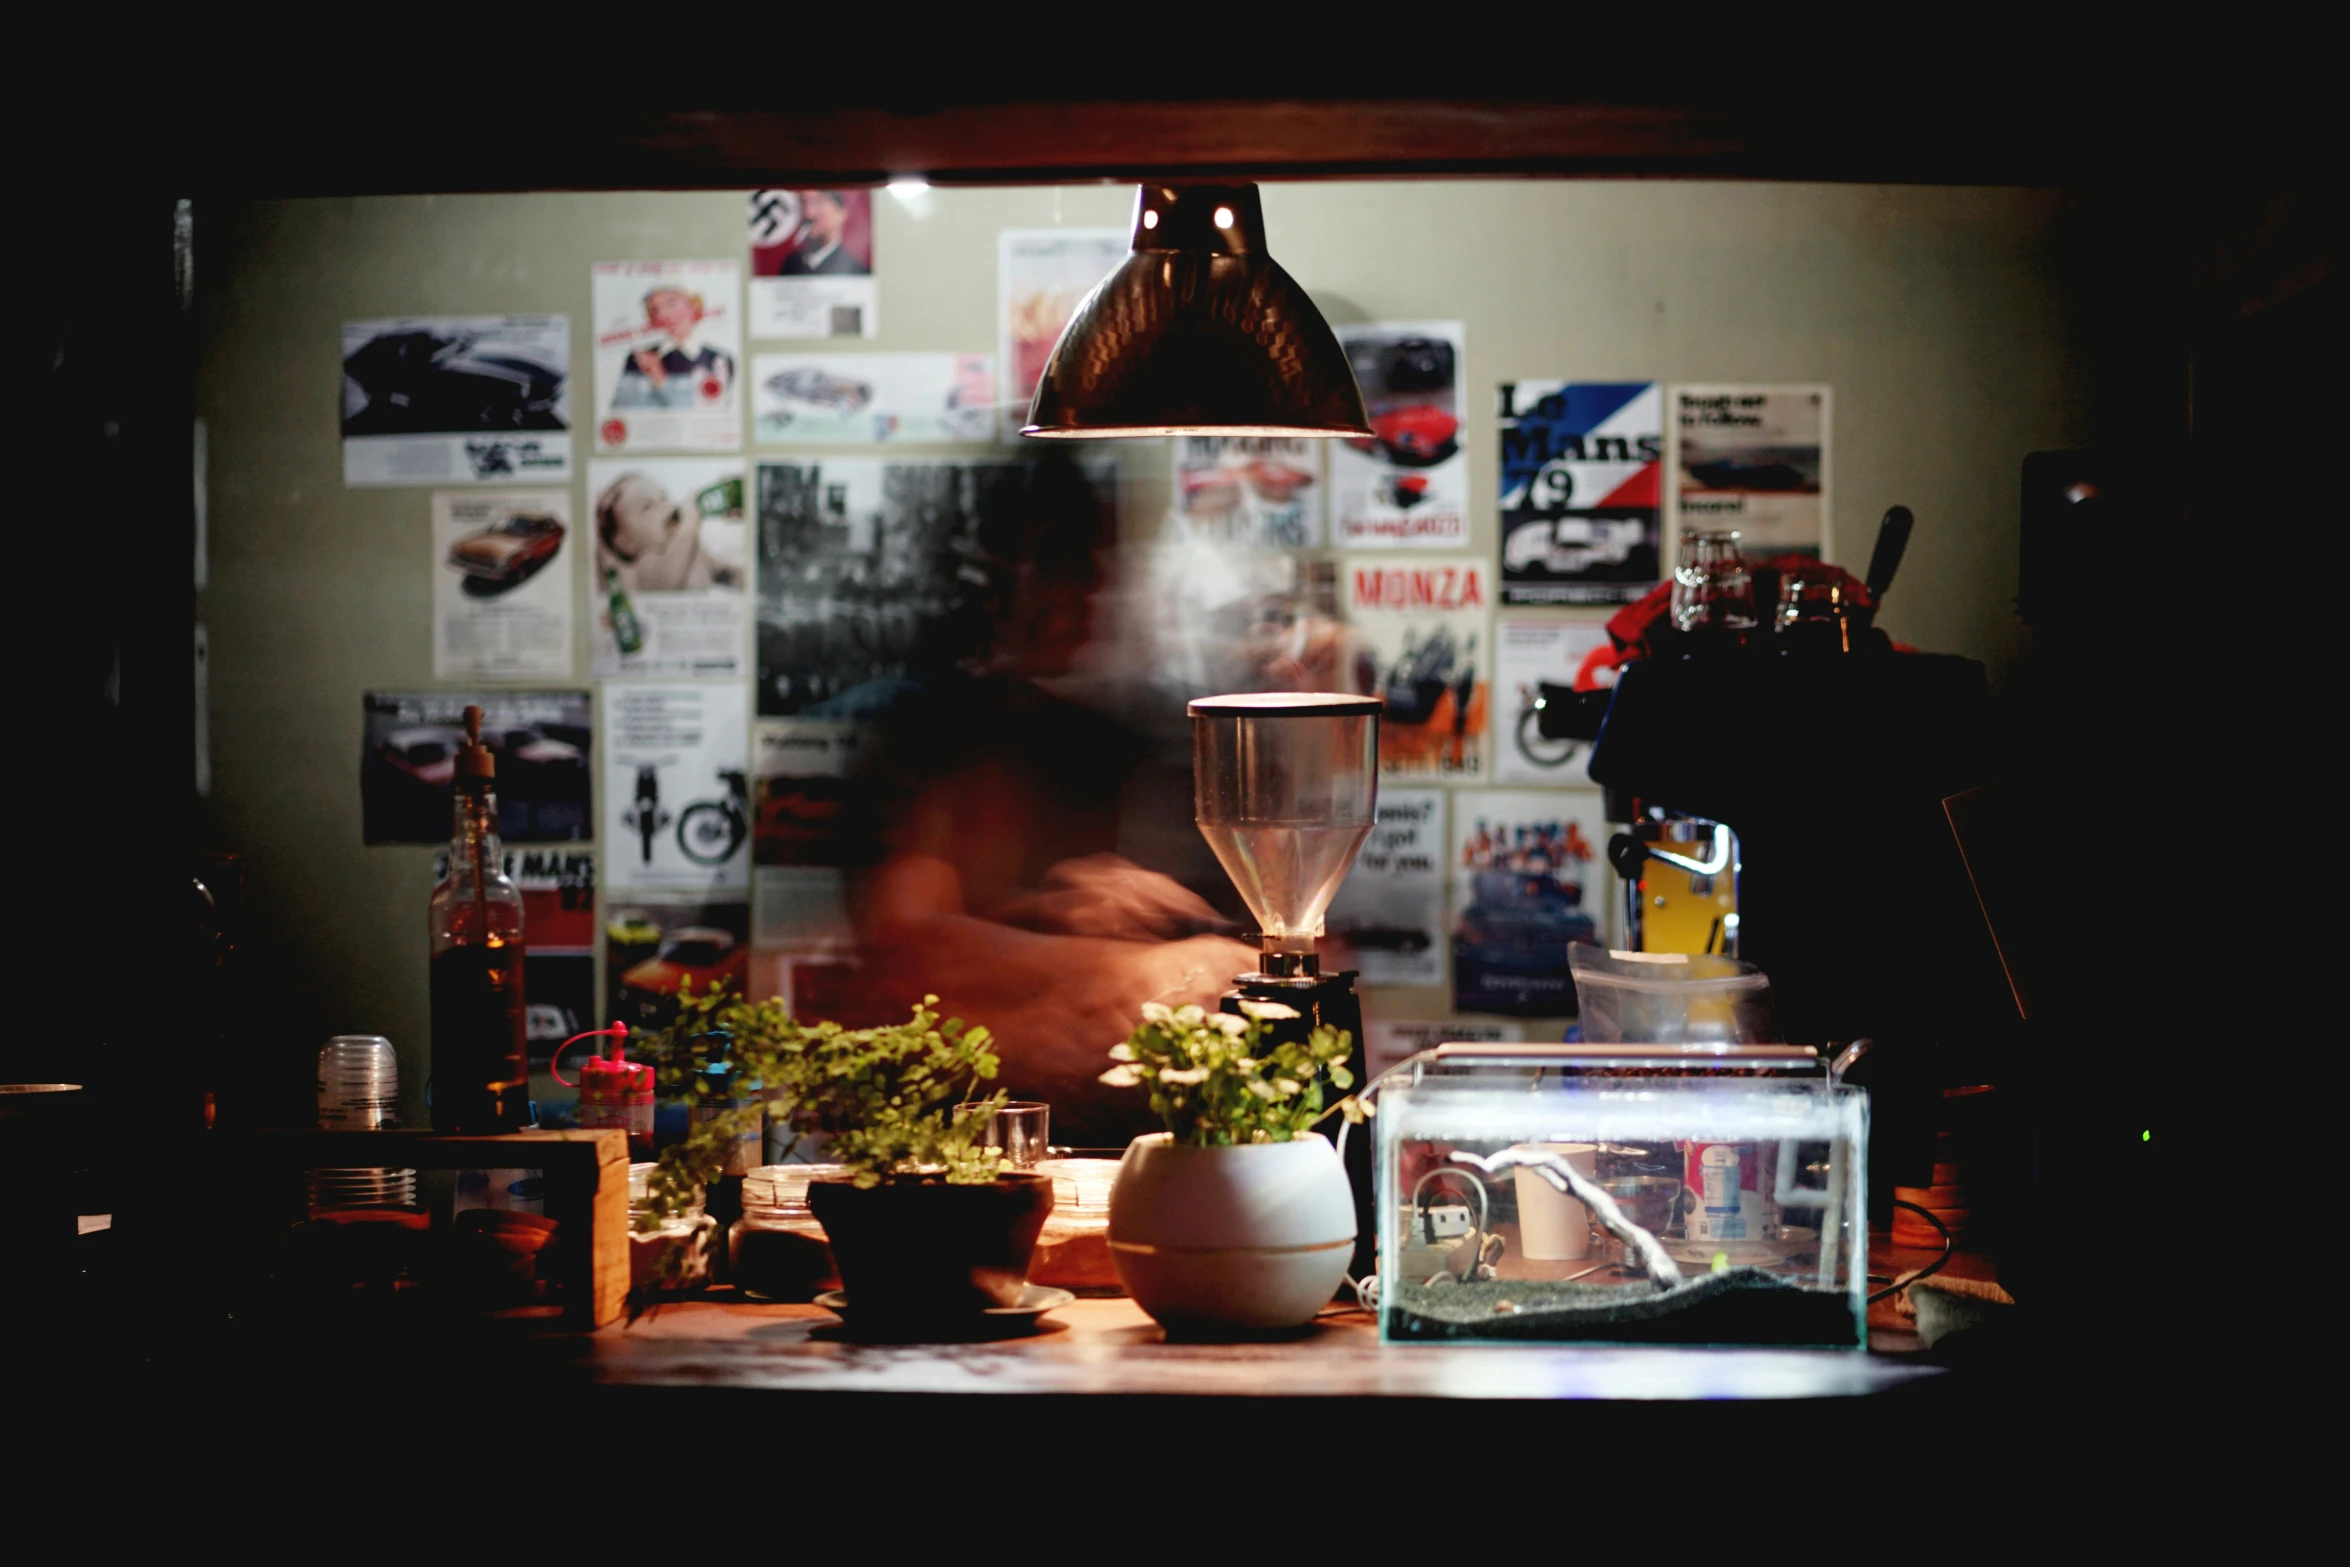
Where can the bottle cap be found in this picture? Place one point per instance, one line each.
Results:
(473, 758)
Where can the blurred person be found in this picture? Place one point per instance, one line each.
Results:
(677, 369)
(655, 542)
(996, 881)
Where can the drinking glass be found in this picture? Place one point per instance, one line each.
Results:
(1021, 1130)
(1712, 589)
(1813, 610)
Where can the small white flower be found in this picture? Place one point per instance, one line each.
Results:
(1121, 1051)
(1262, 1090)
(1197, 1074)
(1190, 1016)
(1157, 1012)
(1230, 1026)
(1287, 1085)
(1120, 1077)
(1248, 1063)
(1267, 1011)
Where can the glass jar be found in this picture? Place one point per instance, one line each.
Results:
(671, 1253)
(777, 1251)
(1073, 1251)
(1712, 589)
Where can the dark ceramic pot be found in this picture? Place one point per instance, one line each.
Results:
(917, 1249)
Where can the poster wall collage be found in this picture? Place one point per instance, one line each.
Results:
(795, 575)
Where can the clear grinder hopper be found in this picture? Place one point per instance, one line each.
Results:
(1286, 788)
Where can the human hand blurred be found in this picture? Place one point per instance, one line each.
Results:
(1108, 895)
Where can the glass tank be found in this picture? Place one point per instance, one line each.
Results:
(1686, 1194)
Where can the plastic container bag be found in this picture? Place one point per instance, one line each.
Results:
(1670, 998)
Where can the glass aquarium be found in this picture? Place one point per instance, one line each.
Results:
(1686, 1194)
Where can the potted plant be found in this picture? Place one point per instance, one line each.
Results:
(925, 1224)
(1237, 1217)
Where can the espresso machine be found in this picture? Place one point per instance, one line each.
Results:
(1285, 787)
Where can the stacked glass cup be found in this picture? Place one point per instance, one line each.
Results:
(359, 1091)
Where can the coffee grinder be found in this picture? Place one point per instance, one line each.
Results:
(1285, 786)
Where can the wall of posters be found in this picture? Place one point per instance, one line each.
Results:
(1256, 491)
(1409, 486)
(1041, 276)
(677, 802)
(1390, 1044)
(1582, 482)
(871, 399)
(668, 356)
(1529, 654)
(1755, 458)
(812, 264)
(408, 762)
(456, 400)
(1390, 909)
(654, 947)
(671, 585)
(862, 563)
(501, 585)
(1522, 861)
(1419, 646)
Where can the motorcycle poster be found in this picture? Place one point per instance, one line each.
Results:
(501, 584)
(1256, 492)
(408, 763)
(456, 400)
(677, 799)
(655, 947)
(1407, 485)
(670, 584)
(812, 264)
(1529, 879)
(1582, 488)
(1389, 912)
(1754, 459)
(1042, 275)
(1535, 661)
(668, 355)
(1420, 645)
(871, 399)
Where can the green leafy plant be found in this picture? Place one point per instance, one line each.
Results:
(897, 1101)
(1216, 1079)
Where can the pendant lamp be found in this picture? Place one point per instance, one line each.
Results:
(1198, 332)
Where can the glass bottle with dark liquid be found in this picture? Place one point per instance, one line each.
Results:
(480, 1065)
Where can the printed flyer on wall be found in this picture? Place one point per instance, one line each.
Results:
(671, 587)
(1529, 655)
(1582, 480)
(1041, 276)
(654, 947)
(668, 356)
(677, 806)
(1408, 486)
(558, 888)
(457, 400)
(812, 264)
(1418, 628)
(501, 589)
(408, 762)
(865, 563)
(813, 803)
(871, 399)
(1390, 909)
(1527, 873)
(1390, 1044)
(1755, 458)
(1260, 492)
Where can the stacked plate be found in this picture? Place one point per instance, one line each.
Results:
(331, 1190)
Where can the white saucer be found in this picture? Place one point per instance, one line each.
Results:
(1035, 1300)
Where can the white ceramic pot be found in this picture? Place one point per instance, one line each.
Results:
(1256, 1236)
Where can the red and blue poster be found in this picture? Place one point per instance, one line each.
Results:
(1582, 487)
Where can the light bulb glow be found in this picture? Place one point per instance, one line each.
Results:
(1150, 220)
(1223, 217)
(902, 185)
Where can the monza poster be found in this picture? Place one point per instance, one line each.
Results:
(1582, 487)
(1419, 630)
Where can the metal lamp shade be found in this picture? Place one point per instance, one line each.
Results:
(1199, 332)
